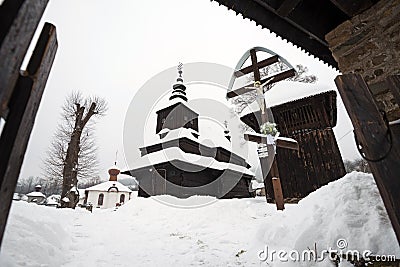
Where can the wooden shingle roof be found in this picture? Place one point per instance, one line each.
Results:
(304, 23)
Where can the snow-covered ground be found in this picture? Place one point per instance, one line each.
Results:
(145, 232)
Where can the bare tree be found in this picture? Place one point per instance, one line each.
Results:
(27, 185)
(242, 101)
(359, 165)
(72, 153)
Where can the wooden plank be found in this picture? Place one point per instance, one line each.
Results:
(16, 37)
(256, 70)
(9, 10)
(240, 91)
(273, 79)
(288, 144)
(279, 77)
(287, 7)
(394, 86)
(371, 132)
(266, 163)
(280, 142)
(276, 184)
(24, 104)
(261, 64)
(10, 130)
(254, 138)
(352, 8)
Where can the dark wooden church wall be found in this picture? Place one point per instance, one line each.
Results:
(184, 184)
(177, 116)
(241, 189)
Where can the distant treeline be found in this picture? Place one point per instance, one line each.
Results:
(359, 165)
(49, 186)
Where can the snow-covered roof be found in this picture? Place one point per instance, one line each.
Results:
(35, 194)
(206, 139)
(55, 197)
(286, 91)
(256, 185)
(174, 101)
(175, 153)
(107, 185)
(179, 133)
(214, 136)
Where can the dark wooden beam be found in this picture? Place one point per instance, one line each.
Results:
(371, 130)
(287, 7)
(255, 138)
(279, 77)
(310, 38)
(273, 79)
(354, 7)
(19, 20)
(278, 193)
(240, 91)
(255, 68)
(23, 106)
(9, 10)
(280, 142)
(262, 64)
(393, 83)
(288, 144)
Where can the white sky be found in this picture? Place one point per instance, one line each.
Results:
(111, 48)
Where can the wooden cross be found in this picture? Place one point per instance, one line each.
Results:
(287, 143)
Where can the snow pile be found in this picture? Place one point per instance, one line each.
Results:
(53, 200)
(350, 208)
(36, 236)
(145, 232)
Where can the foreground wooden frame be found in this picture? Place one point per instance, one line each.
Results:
(20, 92)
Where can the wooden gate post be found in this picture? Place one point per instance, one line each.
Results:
(276, 184)
(378, 143)
(23, 106)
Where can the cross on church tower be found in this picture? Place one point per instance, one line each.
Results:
(265, 141)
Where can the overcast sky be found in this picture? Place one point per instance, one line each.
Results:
(111, 48)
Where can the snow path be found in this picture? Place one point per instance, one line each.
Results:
(145, 232)
(166, 236)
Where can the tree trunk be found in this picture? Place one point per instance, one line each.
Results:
(70, 171)
(70, 198)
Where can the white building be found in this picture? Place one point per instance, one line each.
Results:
(36, 196)
(109, 194)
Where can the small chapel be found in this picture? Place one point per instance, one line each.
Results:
(109, 194)
(179, 164)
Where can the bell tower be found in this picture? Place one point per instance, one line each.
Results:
(177, 115)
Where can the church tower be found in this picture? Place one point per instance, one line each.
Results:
(177, 115)
(180, 164)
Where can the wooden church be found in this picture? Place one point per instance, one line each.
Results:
(180, 165)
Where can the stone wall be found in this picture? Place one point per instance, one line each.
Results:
(369, 44)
